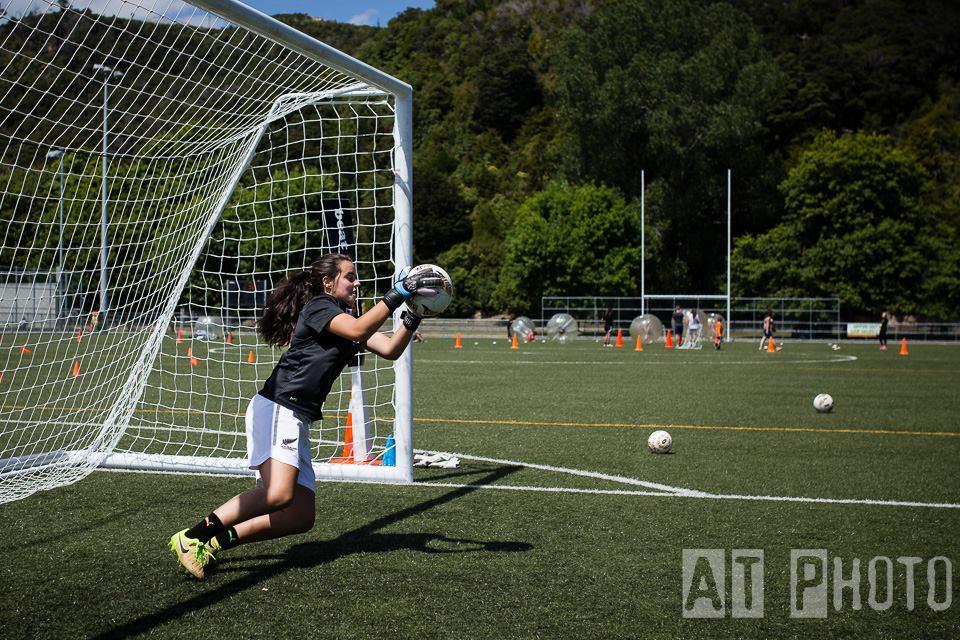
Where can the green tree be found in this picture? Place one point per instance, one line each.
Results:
(569, 240)
(507, 88)
(856, 227)
(475, 265)
(934, 137)
(856, 63)
(679, 88)
(441, 213)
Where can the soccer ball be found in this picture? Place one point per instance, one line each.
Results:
(660, 442)
(429, 306)
(823, 403)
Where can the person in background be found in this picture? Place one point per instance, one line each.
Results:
(768, 328)
(882, 336)
(693, 327)
(678, 325)
(607, 326)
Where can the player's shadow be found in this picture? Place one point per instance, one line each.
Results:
(436, 475)
(364, 539)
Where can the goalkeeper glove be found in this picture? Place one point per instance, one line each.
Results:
(427, 283)
(410, 320)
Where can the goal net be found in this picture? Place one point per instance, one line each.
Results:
(162, 167)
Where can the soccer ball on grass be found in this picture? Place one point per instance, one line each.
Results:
(659, 442)
(823, 403)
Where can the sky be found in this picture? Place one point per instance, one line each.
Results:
(369, 12)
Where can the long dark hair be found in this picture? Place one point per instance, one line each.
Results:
(279, 318)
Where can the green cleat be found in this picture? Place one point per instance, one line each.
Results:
(192, 554)
(213, 547)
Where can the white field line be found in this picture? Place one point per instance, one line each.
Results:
(513, 487)
(860, 501)
(638, 362)
(615, 492)
(662, 489)
(697, 494)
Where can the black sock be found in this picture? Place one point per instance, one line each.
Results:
(206, 528)
(227, 539)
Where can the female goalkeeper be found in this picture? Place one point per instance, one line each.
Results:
(310, 312)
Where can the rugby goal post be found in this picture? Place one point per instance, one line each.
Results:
(171, 160)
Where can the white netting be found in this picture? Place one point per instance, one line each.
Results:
(226, 160)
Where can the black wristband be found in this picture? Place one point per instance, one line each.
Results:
(393, 300)
(410, 320)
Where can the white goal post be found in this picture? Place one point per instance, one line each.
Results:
(162, 165)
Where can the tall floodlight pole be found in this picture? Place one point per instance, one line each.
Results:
(52, 155)
(729, 318)
(643, 244)
(108, 73)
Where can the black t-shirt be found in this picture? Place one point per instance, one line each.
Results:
(316, 357)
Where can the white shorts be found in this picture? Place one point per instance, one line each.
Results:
(274, 431)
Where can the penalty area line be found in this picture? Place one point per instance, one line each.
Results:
(697, 494)
(661, 489)
(513, 487)
(647, 362)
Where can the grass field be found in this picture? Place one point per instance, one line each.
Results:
(558, 524)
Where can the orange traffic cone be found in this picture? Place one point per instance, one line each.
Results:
(346, 455)
(619, 338)
(229, 337)
(193, 361)
(24, 350)
(458, 344)
(179, 336)
(770, 346)
(639, 346)
(251, 357)
(669, 343)
(76, 368)
(903, 347)
(514, 345)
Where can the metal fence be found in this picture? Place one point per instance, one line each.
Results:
(36, 300)
(805, 318)
(496, 329)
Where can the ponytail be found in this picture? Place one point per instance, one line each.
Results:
(283, 307)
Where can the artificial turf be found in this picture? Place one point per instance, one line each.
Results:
(546, 530)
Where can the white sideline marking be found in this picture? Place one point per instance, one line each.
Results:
(638, 362)
(513, 487)
(879, 503)
(662, 490)
(695, 494)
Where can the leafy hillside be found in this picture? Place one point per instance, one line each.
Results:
(532, 113)
(514, 96)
